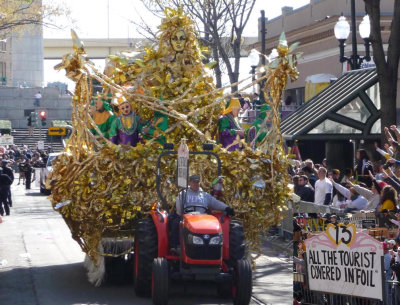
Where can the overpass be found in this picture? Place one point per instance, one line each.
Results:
(96, 48)
(99, 48)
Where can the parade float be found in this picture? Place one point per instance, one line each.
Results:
(103, 187)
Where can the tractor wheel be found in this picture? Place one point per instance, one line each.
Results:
(146, 250)
(129, 268)
(224, 290)
(160, 281)
(115, 270)
(242, 283)
(236, 242)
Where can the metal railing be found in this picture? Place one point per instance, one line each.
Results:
(310, 207)
(307, 297)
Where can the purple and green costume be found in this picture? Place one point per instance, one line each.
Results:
(125, 130)
(227, 127)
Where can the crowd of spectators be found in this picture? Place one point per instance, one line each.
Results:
(17, 155)
(250, 107)
(371, 186)
(21, 160)
(360, 189)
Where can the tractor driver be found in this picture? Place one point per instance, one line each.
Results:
(198, 198)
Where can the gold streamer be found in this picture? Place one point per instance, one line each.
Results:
(104, 188)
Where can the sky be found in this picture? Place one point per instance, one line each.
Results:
(112, 19)
(106, 18)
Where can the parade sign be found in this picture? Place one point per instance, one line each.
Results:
(40, 144)
(183, 163)
(6, 140)
(343, 261)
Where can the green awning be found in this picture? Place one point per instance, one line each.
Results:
(349, 108)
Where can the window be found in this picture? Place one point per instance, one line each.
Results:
(294, 97)
(373, 93)
(376, 128)
(27, 112)
(3, 47)
(355, 110)
(331, 127)
(3, 73)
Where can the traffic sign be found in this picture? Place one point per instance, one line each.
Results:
(57, 131)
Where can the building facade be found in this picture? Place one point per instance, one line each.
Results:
(313, 27)
(21, 58)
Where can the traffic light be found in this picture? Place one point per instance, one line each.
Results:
(34, 118)
(43, 116)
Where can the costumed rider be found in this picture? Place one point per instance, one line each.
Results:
(196, 197)
(103, 116)
(126, 127)
(256, 126)
(229, 127)
(158, 125)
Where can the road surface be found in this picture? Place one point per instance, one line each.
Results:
(40, 264)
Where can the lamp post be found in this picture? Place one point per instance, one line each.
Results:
(263, 46)
(253, 58)
(342, 31)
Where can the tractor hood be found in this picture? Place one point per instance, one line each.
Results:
(202, 224)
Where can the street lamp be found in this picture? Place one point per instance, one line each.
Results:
(342, 31)
(253, 58)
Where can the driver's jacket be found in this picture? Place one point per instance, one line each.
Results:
(198, 198)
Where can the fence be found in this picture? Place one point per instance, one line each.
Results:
(370, 223)
(310, 207)
(307, 297)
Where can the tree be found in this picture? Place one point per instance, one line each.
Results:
(22, 14)
(387, 69)
(223, 22)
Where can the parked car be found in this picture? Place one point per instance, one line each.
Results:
(44, 172)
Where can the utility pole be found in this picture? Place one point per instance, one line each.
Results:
(263, 34)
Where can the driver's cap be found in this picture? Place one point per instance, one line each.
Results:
(194, 178)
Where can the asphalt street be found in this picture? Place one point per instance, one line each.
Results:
(40, 264)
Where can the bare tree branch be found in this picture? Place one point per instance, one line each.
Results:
(220, 19)
(17, 15)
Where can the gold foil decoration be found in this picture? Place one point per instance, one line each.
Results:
(102, 189)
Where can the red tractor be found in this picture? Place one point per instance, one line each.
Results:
(212, 246)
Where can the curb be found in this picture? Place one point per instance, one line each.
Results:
(278, 244)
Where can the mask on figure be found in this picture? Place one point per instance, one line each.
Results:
(99, 104)
(125, 108)
(235, 111)
(178, 41)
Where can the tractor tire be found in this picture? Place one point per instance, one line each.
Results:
(160, 281)
(236, 242)
(242, 283)
(115, 270)
(146, 250)
(129, 268)
(224, 290)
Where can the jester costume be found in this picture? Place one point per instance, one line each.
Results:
(104, 119)
(228, 127)
(125, 129)
(258, 122)
(158, 123)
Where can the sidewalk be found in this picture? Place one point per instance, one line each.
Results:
(273, 278)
